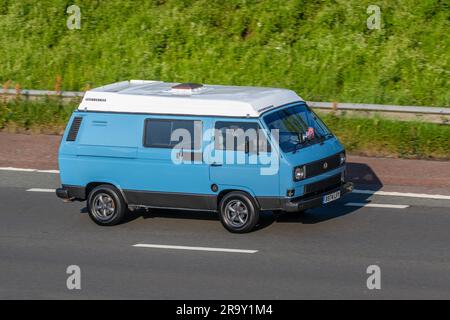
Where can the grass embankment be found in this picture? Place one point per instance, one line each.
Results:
(366, 136)
(48, 116)
(321, 49)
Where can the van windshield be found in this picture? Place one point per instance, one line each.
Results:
(298, 127)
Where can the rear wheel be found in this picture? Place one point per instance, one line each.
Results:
(106, 205)
(238, 212)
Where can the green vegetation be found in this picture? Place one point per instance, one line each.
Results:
(382, 137)
(321, 49)
(366, 136)
(47, 116)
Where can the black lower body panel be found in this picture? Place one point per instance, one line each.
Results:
(269, 203)
(171, 200)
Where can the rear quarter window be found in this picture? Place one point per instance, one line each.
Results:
(158, 133)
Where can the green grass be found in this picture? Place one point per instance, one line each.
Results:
(382, 137)
(321, 49)
(48, 116)
(366, 136)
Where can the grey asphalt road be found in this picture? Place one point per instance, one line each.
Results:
(322, 253)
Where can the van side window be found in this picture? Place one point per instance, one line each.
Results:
(234, 130)
(158, 133)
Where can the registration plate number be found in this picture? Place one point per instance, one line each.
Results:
(331, 197)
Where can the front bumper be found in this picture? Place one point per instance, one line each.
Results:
(303, 203)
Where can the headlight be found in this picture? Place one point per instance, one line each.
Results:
(342, 158)
(299, 173)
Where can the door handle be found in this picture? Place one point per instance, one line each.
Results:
(216, 164)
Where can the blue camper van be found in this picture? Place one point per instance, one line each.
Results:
(151, 144)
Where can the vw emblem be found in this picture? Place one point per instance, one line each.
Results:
(325, 165)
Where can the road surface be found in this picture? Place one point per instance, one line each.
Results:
(323, 253)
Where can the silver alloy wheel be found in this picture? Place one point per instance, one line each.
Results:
(236, 212)
(103, 206)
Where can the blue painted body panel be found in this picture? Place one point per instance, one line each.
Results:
(109, 148)
(307, 155)
(243, 177)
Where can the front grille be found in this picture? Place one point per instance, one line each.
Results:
(73, 132)
(323, 165)
(323, 185)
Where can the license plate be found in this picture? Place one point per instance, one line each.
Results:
(331, 197)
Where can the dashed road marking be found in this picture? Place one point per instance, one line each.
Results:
(28, 170)
(41, 190)
(159, 246)
(403, 194)
(376, 205)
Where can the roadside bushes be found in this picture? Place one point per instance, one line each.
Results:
(383, 137)
(48, 116)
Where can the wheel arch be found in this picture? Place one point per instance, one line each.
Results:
(92, 185)
(224, 192)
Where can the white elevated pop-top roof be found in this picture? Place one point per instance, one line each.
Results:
(156, 97)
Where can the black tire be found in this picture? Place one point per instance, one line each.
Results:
(114, 209)
(238, 200)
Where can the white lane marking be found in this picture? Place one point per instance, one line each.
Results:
(28, 170)
(376, 205)
(158, 246)
(48, 171)
(403, 194)
(41, 190)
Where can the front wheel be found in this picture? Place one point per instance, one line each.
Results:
(106, 205)
(238, 212)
